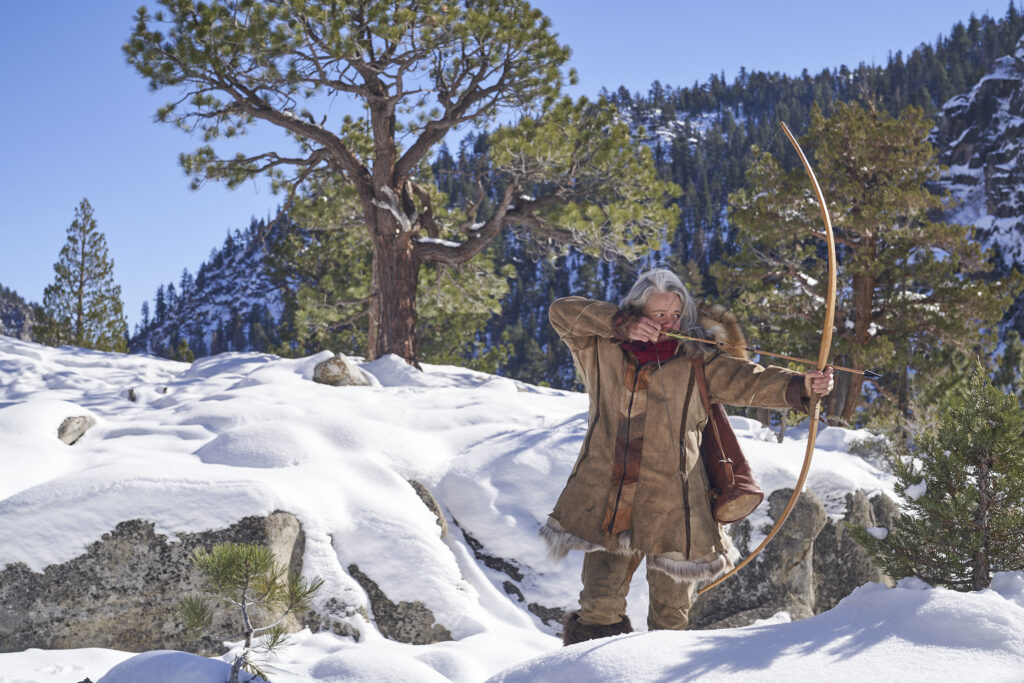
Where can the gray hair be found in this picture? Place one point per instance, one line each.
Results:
(664, 281)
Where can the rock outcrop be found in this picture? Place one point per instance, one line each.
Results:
(406, 622)
(807, 569)
(782, 577)
(123, 592)
(840, 563)
(978, 136)
(17, 317)
(340, 371)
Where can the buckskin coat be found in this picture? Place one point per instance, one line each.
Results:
(639, 484)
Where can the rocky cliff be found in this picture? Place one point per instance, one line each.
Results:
(16, 315)
(978, 135)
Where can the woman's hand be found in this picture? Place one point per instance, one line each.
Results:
(818, 383)
(644, 330)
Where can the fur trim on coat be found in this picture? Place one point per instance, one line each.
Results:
(723, 327)
(560, 541)
(664, 514)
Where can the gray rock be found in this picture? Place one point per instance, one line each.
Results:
(431, 502)
(840, 563)
(123, 593)
(73, 428)
(406, 622)
(340, 371)
(336, 616)
(511, 568)
(810, 566)
(780, 579)
(17, 317)
(553, 617)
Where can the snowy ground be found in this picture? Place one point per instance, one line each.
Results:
(252, 429)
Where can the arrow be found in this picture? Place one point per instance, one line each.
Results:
(868, 374)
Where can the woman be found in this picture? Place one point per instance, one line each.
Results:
(639, 488)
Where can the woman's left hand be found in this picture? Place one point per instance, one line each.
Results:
(817, 382)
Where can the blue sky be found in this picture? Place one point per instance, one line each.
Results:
(77, 121)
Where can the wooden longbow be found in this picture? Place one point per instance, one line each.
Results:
(823, 353)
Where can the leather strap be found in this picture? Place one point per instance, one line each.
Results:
(698, 371)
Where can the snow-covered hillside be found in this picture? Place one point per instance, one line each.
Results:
(979, 138)
(246, 434)
(232, 303)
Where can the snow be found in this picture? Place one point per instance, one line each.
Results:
(915, 491)
(438, 241)
(239, 434)
(909, 633)
(169, 666)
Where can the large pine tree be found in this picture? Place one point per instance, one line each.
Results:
(82, 306)
(571, 172)
(962, 486)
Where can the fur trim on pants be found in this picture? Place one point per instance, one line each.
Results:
(560, 542)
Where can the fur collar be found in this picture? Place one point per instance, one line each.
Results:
(722, 326)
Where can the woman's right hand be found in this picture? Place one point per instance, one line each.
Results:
(644, 330)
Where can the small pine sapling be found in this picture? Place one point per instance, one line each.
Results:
(962, 485)
(247, 577)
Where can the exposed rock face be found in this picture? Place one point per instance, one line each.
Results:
(428, 499)
(123, 592)
(335, 616)
(16, 316)
(781, 579)
(808, 567)
(73, 428)
(340, 371)
(978, 136)
(406, 622)
(840, 563)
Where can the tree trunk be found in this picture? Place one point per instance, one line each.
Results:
(852, 397)
(863, 290)
(903, 395)
(393, 296)
(981, 563)
(839, 396)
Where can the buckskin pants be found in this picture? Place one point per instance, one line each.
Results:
(606, 579)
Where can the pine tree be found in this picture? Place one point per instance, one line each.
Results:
(183, 352)
(187, 284)
(173, 301)
(1009, 374)
(962, 485)
(161, 305)
(82, 306)
(909, 283)
(247, 578)
(572, 171)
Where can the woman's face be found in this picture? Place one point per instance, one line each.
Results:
(664, 308)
